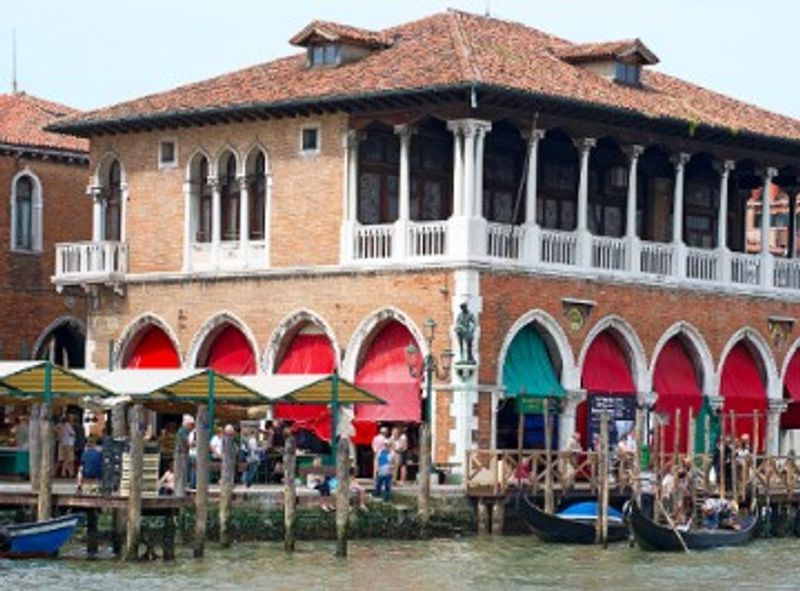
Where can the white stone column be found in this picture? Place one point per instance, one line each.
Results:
(400, 238)
(244, 220)
(188, 226)
(722, 221)
(774, 410)
(480, 143)
(216, 219)
(767, 260)
(458, 167)
(97, 212)
(531, 242)
(470, 134)
(584, 146)
(679, 161)
(567, 417)
(267, 218)
(350, 141)
(634, 152)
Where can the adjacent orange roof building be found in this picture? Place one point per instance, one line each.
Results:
(23, 118)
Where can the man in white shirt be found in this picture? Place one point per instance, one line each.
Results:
(378, 442)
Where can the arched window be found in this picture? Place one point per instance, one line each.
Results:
(204, 202)
(257, 184)
(23, 238)
(229, 199)
(112, 196)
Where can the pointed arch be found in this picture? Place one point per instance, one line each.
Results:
(367, 330)
(286, 330)
(228, 151)
(631, 344)
(136, 330)
(103, 165)
(193, 161)
(213, 328)
(252, 152)
(702, 358)
(555, 338)
(65, 340)
(758, 346)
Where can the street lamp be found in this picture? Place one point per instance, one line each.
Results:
(430, 366)
(441, 369)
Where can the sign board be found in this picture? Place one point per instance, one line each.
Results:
(534, 405)
(621, 409)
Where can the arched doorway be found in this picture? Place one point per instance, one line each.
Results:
(151, 348)
(608, 380)
(227, 350)
(744, 393)
(309, 351)
(531, 368)
(677, 382)
(383, 370)
(63, 343)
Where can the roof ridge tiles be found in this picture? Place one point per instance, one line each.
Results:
(469, 68)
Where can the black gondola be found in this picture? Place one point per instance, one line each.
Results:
(659, 538)
(559, 530)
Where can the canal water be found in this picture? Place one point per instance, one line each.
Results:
(440, 565)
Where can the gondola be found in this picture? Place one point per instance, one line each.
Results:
(39, 539)
(574, 525)
(660, 538)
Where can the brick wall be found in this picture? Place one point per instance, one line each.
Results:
(27, 296)
(306, 193)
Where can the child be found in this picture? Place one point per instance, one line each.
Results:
(385, 466)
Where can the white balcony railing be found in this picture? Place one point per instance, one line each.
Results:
(656, 258)
(90, 262)
(504, 241)
(427, 239)
(703, 264)
(373, 242)
(558, 248)
(787, 273)
(745, 269)
(609, 253)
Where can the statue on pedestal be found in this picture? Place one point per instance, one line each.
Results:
(465, 331)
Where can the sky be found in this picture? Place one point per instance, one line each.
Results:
(92, 53)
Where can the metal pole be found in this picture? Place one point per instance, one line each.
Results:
(334, 412)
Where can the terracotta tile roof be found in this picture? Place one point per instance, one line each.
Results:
(607, 50)
(450, 49)
(23, 118)
(337, 32)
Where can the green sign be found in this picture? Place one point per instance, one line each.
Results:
(534, 405)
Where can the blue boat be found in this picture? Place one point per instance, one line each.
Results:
(574, 525)
(40, 539)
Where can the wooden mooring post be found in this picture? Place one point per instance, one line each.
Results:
(45, 490)
(289, 492)
(134, 516)
(549, 501)
(118, 432)
(342, 495)
(180, 458)
(226, 484)
(34, 445)
(424, 499)
(601, 525)
(201, 495)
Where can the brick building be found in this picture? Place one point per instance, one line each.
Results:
(43, 175)
(313, 212)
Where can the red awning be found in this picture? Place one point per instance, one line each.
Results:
(743, 392)
(384, 372)
(790, 419)
(308, 354)
(230, 353)
(605, 368)
(675, 382)
(153, 351)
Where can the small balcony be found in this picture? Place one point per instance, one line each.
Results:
(88, 263)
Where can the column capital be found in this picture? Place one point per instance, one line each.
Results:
(681, 159)
(775, 406)
(770, 173)
(242, 178)
(533, 135)
(405, 131)
(469, 127)
(584, 144)
(646, 399)
(716, 403)
(351, 137)
(94, 191)
(213, 182)
(633, 151)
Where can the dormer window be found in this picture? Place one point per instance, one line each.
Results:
(331, 44)
(328, 54)
(627, 73)
(616, 61)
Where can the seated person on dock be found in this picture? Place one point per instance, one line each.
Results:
(91, 468)
(316, 479)
(166, 484)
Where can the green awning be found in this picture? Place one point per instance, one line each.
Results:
(528, 369)
(700, 431)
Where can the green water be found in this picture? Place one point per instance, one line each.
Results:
(441, 565)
